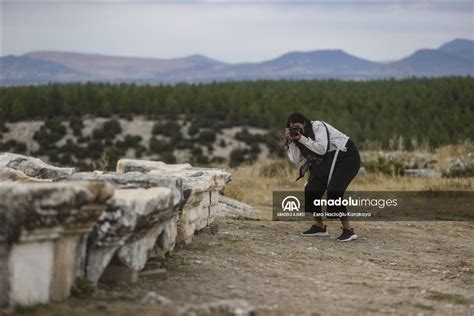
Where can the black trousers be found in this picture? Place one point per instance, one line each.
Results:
(346, 168)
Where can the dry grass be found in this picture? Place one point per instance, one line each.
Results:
(254, 184)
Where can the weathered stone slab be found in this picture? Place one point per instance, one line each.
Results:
(145, 166)
(141, 214)
(154, 208)
(167, 240)
(9, 174)
(32, 167)
(201, 188)
(113, 228)
(41, 225)
(229, 205)
(133, 180)
(195, 176)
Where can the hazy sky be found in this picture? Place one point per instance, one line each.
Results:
(232, 31)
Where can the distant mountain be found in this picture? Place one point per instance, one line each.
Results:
(461, 48)
(19, 70)
(113, 68)
(431, 63)
(313, 64)
(453, 58)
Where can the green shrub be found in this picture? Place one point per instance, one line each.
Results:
(168, 157)
(3, 127)
(275, 145)
(218, 159)
(8, 145)
(49, 133)
(238, 156)
(196, 151)
(166, 129)
(245, 136)
(82, 166)
(95, 149)
(13, 146)
(76, 124)
(53, 155)
(139, 151)
(159, 146)
(83, 139)
(73, 149)
(255, 149)
(129, 141)
(206, 136)
(113, 154)
(109, 130)
(20, 148)
(55, 125)
(193, 130)
(200, 160)
(66, 159)
(126, 116)
(210, 148)
(112, 128)
(183, 144)
(98, 133)
(157, 129)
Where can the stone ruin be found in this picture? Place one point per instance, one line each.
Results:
(57, 225)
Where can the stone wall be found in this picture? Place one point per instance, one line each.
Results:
(201, 188)
(57, 225)
(42, 237)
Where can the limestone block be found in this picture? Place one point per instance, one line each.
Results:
(41, 228)
(32, 167)
(9, 174)
(200, 189)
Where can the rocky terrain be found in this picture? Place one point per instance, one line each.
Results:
(180, 238)
(251, 264)
(60, 228)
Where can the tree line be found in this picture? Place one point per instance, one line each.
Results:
(433, 111)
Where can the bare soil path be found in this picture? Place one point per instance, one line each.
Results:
(417, 268)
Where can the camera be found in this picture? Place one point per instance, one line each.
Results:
(294, 131)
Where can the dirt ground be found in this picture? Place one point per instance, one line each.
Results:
(417, 268)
